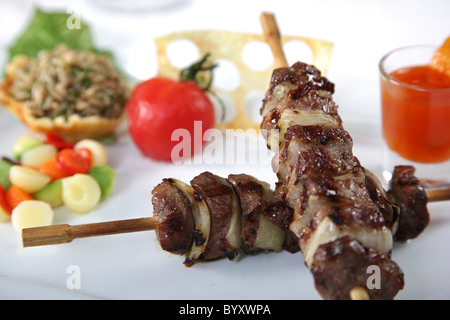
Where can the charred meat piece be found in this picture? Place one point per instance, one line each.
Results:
(225, 235)
(280, 214)
(325, 172)
(299, 97)
(202, 221)
(299, 138)
(407, 193)
(342, 264)
(337, 220)
(298, 75)
(175, 219)
(379, 196)
(258, 233)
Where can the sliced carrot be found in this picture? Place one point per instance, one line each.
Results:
(50, 169)
(15, 195)
(441, 58)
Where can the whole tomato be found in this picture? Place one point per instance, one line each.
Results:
(159, 106)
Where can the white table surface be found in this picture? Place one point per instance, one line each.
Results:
(132, 266)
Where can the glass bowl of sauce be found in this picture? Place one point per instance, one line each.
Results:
(415, 104)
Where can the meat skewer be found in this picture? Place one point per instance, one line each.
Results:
(235, 207)
(339, 228)
(64, 233)
(216, 219)
(343, 220)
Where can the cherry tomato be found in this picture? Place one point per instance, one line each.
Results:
(159, 106)
(4, 206)
(57, 141)
(70, 161)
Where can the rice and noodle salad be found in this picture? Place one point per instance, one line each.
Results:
(64, 82)
(72, 93)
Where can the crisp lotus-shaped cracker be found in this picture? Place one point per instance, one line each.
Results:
(249, 62)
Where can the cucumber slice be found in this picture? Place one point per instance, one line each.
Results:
(4, 173)
(105, 177)
(52, 194)
(23, 144)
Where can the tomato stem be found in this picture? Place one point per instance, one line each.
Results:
(201, 72)
(8, 160)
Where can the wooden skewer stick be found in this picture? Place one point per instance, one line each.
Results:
(64, 233)
(359, 293)
(273, 38)
(438, 194)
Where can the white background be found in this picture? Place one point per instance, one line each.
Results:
(361, 31)
(132, 266)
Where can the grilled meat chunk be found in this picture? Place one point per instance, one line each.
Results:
(258, 233)
(175, 219)
(225, 235)
(202, 221)
(343, 264)
(280, 214)
(383, 201)
(407, 193)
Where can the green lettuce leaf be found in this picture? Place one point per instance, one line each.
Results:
(47, 29)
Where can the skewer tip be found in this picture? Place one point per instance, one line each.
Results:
(437, 193)
(359, 293)
(273, 38)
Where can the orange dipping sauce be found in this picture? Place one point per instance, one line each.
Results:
(416, 113)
